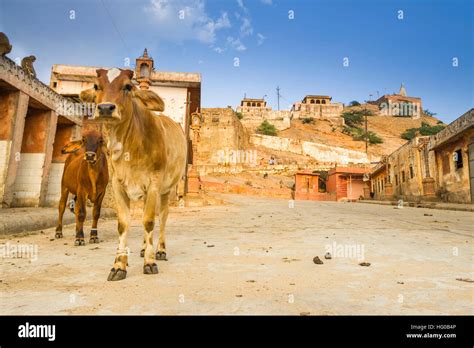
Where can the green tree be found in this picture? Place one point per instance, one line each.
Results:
(266, 128)
(354, 103)
(425, 129)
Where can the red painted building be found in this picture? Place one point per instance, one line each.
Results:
(341, 183)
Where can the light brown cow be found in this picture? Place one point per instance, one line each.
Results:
(148, 156)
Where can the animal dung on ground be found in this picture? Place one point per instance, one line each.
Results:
(428, 214)
(317, 260)
(366, 264)
(328, 256)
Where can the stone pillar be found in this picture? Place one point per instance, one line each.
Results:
(52, 121)
(194, 180)
(18, 112)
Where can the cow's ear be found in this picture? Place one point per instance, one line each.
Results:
(88, 95)
(72, 147)
(150, 99)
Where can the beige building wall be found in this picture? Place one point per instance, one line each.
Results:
(175, 99)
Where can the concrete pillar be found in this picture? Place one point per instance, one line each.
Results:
(17, 114)
(51, 120)
(62, 137)
(36, 146)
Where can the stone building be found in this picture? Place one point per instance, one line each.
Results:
(318, 107)
(180, 91)
(437, 167)
(405, 173)
(255, 111)
(35, 123)
(452, 155)
(400, 104)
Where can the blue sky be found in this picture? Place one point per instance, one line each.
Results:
(303, 55)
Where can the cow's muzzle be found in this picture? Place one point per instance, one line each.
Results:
(107, 110)
(90, 157)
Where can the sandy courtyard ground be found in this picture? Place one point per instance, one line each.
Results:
(255, 256)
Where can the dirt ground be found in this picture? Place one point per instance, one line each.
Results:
(255, 256)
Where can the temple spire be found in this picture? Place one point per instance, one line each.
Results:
(403, 91)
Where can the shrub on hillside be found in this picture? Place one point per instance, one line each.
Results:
(307, 120)
(425, 129)
(266, 128)
(354, 103)
(239, 115)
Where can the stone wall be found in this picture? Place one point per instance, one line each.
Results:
(320, 152)
(330, 112)
(254, 116)
(221, 137)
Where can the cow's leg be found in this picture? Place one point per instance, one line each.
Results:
(164, 208)
(142, 251)
(122, 202)
(61, 208)
(150, 267)
(94, 237)
(80, 211)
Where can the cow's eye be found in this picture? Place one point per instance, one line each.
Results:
(127, 87)
(96, 87)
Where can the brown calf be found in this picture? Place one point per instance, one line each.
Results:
(86, 176)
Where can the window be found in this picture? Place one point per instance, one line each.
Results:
(253, 104)
(311, 101)
(249, 104)
(396, 179)
(458, 159)
(258, 104)
(323, 101)
(318, 101)
(403, 176)
(144, 70)
(412, 173)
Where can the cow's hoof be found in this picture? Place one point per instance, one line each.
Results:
(79, 242)
(142, 253)
(94, 239)
(117, 274)
(58, 235)
(150, 269)
(161, 255)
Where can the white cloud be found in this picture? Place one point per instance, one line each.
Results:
(236, 44)
(219, 49)
(181, 20)
(246, 28)
(241, 5)
(260, 39)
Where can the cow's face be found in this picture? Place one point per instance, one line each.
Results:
(92, 142)
(113, 92)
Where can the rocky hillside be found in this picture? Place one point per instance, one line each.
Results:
(386, 127)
